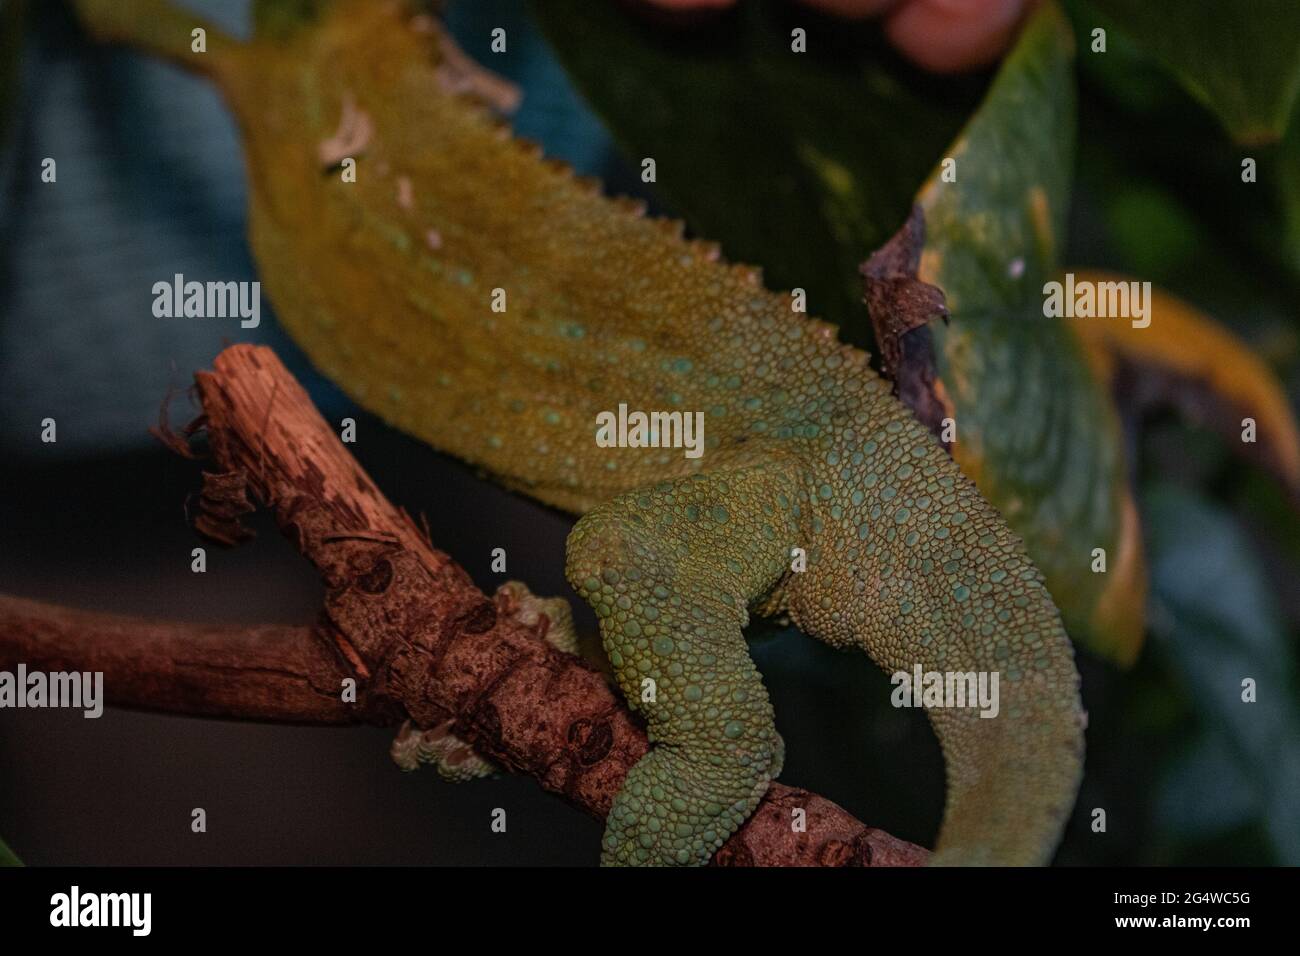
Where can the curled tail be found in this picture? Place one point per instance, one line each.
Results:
(911, 565)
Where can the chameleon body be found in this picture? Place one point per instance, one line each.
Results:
(389, 284)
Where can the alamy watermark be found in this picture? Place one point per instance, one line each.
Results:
(208, 300)
(1085, 299)
(946, 689)
(75, 690)
(637, 429)
(75, 908)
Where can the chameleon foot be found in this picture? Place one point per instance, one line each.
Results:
(527, 608)
(453, 758)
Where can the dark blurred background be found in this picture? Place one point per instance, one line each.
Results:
(151, 183)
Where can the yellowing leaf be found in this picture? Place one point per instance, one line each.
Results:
(1189, 360)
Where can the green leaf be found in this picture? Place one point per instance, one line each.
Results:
(1213, 614)
(1241, 60)
(799, 162)
(1035, 429)
(1011, 192)
(1139, 123)
(1151, 231)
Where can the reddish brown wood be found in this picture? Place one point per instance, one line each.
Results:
(252, 673)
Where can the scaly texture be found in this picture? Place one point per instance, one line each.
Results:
(994, 214)
(388, 282)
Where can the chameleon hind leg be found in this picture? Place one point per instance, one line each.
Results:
(670, 571)
(453, 757)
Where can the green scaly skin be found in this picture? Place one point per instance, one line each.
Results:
(805, 447)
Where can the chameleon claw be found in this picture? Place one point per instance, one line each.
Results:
(527, 608)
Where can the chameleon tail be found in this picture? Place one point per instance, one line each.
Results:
(926, 575)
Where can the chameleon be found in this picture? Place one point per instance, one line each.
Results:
(492, 303)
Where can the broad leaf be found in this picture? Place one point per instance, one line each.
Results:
(1242, 60)
(1190, 217)
(1035, 428)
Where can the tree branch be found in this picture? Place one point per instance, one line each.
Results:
(282, 674)
(401, 618)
